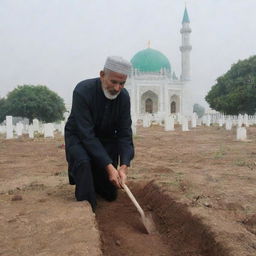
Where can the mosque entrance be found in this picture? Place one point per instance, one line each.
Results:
(175, 104)
(173, 107)
(149, 106)
(149, 102)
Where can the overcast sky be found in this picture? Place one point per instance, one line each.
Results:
(58, 43)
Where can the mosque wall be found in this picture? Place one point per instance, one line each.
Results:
(160, 97)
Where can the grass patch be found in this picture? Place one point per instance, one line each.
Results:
(38, 135)
(220, 153)
(61, 173)
(239, 162)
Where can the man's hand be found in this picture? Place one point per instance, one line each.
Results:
(113, 175)
(122, 173)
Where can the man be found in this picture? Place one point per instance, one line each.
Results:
(98, 133)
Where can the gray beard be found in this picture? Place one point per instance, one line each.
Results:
(108, 95)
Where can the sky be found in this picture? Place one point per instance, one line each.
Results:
(58, 43)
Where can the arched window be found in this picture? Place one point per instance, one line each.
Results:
(149, 105)
(173, 107)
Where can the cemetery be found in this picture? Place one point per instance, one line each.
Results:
(196, 176)
(184, 71)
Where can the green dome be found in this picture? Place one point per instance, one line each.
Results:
(150, 60)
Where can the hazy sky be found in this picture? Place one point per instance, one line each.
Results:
(58, 43)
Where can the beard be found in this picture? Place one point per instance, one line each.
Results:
(108, 95)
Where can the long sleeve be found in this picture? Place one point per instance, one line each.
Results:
(124, 134)
(82, 113)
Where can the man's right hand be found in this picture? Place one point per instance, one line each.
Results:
(113, 175)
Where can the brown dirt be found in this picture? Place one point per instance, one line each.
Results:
(38, 213)
(178, 232)
(202, 198)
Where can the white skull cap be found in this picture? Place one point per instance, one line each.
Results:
(118, 64)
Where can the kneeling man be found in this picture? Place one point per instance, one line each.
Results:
(98, 135)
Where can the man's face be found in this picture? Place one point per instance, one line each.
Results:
(112, 82)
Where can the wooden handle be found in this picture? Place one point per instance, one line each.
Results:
(129, 193)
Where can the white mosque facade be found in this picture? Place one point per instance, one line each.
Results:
(154, 88)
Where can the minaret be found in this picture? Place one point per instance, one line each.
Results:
(185, 47)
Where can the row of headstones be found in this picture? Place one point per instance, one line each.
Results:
(241, 121)
(229, 121)
(169, 121)
(46, 129)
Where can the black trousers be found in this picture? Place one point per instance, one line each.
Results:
(88, 177)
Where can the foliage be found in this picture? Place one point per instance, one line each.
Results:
(33, 102)
(2, 109)
(198, 109)
(235, 91)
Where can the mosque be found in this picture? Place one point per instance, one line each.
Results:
(153, 85)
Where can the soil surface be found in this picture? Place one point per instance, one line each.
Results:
(199, 187)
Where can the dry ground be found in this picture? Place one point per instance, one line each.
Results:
(202, 198)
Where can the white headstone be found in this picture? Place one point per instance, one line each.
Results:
(31, 131)
(179, 118)
(41, 128)
(241, 133)
(62, 126)
(172, 122)
(57, 127)
(134, 129)
(221, 121)
(228, 124)
(185, 124)
(25, 129)
(204, 119)
(36, 125)
(239, 121)
(66, 115)
(18, 129)
(246, 120)
(208, 120)
(254, 119)
(9, 127)
(134, 123)
(48, 130)
(199, 122)
(194, 120)
(2, 129)
(146, 120)
(168, 123)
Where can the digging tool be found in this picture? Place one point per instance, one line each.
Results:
(146, 220)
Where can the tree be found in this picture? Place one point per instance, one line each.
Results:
(235, 91)
(34, 102)
(198, 109)
(2, 110)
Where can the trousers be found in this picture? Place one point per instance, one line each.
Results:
(88, 177)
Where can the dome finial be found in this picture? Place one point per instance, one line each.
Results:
(148, 43)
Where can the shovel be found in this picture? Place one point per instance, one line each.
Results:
(146, 220)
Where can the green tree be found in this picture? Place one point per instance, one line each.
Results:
(198, 109)
(235, 91)
(34, 102)
(2, 109)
